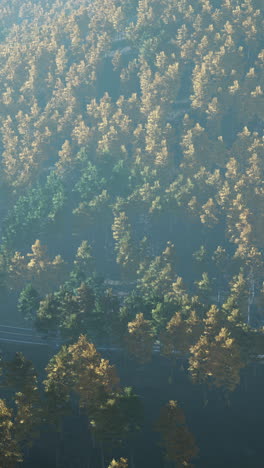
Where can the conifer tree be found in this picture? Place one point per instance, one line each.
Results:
(177, 440)
(140, 338)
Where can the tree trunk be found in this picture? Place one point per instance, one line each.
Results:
(93, 439)
(132, 464)
(248, 311)
(245, 384)
(57, 457)
(205, 397)
(102, 456)
(218, 296)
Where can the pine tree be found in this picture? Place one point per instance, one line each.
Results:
(140, 338)
(177, 440)
(10, 453)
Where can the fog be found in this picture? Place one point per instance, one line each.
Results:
(131, 233)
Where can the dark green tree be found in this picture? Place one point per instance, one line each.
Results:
(28, 302)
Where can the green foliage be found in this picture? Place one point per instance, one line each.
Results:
(20, 375)
(84, 261)
(28, 302)
(148, 117)
(33, 212)
(20, 378)
(80, 308)
(118, 418)
(48, 314)
(9, 449)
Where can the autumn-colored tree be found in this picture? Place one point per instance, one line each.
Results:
(140, 338)
(20, 376)
(177, 440)
(38, 270)
(79, 370)
(125, 246)
(43, 272)
(93, 377)
(10, 453)
(180, 334)
(173, 137)
(58, 387)
(136, 125)
(121, 463)
(216, 360)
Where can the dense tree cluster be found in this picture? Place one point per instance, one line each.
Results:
(137, 126)
(177, 440)
(77, 378)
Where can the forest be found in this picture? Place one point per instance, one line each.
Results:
(131, 233)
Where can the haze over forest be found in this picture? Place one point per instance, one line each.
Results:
(131, 233)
